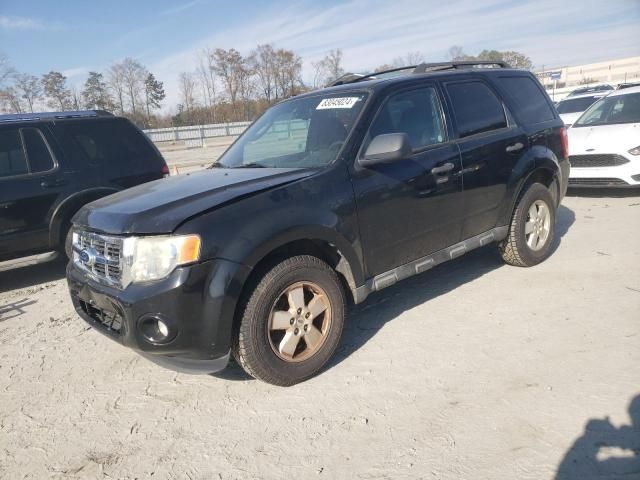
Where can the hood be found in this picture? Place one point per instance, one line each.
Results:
(161, 206)
(618, 138)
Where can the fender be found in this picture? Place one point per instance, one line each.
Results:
(538, 159)
(65, 210)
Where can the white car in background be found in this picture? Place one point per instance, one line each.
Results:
(571, 108)
(604, 143)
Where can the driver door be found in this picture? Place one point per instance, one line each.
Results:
(413, 206)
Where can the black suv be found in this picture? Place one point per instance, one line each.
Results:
(327, 197)
(51, 164)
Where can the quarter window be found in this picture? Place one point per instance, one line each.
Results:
(416, 113)
(12, 158)
(529, 103)
(39, 157)
(476, 108)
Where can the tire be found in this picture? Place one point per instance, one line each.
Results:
(268, 353)
(520, 248)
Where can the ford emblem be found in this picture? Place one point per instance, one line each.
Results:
(87, 257)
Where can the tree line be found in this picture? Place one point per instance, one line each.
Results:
(225, 86)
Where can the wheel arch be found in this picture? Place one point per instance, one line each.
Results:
(66, 209)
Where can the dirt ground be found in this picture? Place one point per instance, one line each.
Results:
(473, 370)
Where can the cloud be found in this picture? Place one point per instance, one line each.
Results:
(180, 8)
(20, 23)
(373, 32)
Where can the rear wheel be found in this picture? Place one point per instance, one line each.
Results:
(292, 322)
(532, 228)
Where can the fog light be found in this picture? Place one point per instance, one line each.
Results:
(155, 329)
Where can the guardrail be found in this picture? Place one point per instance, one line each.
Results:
(195, 135)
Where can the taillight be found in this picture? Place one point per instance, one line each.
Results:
(165, 170)
(565, 142)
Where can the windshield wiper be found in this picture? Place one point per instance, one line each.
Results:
(251, 165)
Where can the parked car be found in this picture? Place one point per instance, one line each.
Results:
(605, 142)
(622, 86)
(594, 89)
(571, 108)
(51, 164)
(373, 181)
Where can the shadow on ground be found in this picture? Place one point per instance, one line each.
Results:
(23, 277)
(604, 451)
(364, 320)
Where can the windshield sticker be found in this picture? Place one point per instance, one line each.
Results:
(342, 102)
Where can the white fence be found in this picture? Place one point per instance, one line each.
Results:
(194, 136)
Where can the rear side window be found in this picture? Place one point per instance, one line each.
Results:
(528, 102)
(37, 152)
(573, 105)
(476, 108)
(12, 158)
(93, 142)
(416, 113)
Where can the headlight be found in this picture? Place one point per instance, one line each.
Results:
(635, 151)
(152, 258)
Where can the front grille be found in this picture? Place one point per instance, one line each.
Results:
(110, 321)
(596, 182)
(597, 160)
(99, 255)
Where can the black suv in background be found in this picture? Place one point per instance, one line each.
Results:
(326, 198)
(51, 164)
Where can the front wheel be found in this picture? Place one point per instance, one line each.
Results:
(532, 228)
(292, 322)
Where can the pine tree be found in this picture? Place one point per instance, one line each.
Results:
(96, 93)
(154, 93)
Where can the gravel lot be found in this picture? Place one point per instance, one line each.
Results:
(473, 370)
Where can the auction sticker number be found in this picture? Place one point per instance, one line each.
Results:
(340, 102)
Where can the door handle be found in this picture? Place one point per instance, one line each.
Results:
(514, 147)
(443, 168)
(56, 182)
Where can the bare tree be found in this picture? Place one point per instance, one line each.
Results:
(115, 78)
(55, 89)
(328, 69)
(29, 89)
(187, 87)
(456, 53)
(263, 62)
(76, 98)
(134, 75)
(411, 58)
(288, 69)
(229, 65)
(10, 100)
(206, 77)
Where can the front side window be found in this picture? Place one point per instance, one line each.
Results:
(39, 156)
(300, 133)
(476, 108)
(612, 110)
(12, 158)
(414, 112)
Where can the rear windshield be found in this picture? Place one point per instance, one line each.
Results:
(612, 110)
(576, 104)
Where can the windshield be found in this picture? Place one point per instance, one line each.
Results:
(612, 110)
(575, 104)
(300, 133)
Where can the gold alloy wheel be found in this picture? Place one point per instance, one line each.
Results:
(299, 322)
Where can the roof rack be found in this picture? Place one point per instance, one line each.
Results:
(20, 117)
(421, 68)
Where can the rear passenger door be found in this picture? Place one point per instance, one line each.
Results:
(30, 184)
(490, 145)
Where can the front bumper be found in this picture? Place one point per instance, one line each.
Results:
(626, 175)
(197, 303)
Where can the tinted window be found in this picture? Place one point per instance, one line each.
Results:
(93, 142)
(134, 146)
(12, 158)
(611, 110)
(416, 113)
(529, 103)
(39, 157)
(575, 104)
(476, 108)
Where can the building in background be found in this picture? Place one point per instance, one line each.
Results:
(559, 81)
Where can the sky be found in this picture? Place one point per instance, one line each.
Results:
(76, 36)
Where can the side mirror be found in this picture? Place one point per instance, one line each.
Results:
(387, 148)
